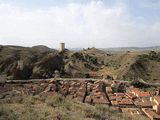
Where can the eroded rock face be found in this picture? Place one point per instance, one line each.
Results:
(25, 63)
(43, 69)
(41, 62)
(46, 67)
(24, 73)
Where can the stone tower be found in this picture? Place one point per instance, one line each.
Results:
(62, 47)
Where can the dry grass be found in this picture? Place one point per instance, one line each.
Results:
(57, 108)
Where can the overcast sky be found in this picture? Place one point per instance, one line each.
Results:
(80, 23)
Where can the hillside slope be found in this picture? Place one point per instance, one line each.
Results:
(146, 66)
(42, 62)
(24, 63)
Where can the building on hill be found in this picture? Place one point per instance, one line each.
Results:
(151, 114)
(143, 94)
(157, 100)
(158, 92)
(62, 47)
(156, 104)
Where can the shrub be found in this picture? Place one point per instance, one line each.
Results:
(58, 108)
(7, 114)
(39, 98)
(55, 101)
(28, 100)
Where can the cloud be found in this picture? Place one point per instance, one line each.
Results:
(150, 4)
(79, 25)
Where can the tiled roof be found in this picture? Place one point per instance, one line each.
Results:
(100, 101)
(98, 93)
(125, 102)
(119, 94)
(146, 104)
(157, 98)
(132, 111)
(109, 89)
(122, 102)
(135, 90)
(151, 114)
(143, 94)
(98, 81)
(131, 95)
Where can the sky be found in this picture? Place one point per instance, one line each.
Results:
(80, 23)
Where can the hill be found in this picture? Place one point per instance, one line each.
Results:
(132, 49)
(41, 62)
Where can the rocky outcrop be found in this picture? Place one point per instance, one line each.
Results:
(46, 67)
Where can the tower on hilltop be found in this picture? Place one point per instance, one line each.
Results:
(62, 47)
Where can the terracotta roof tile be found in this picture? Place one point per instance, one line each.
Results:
(157, 98)
(151, 114)
(131, 95)
(143, 94)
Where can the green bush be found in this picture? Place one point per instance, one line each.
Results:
(151, 56)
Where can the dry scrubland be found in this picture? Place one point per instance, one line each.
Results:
(42, 62)
(56, 108)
